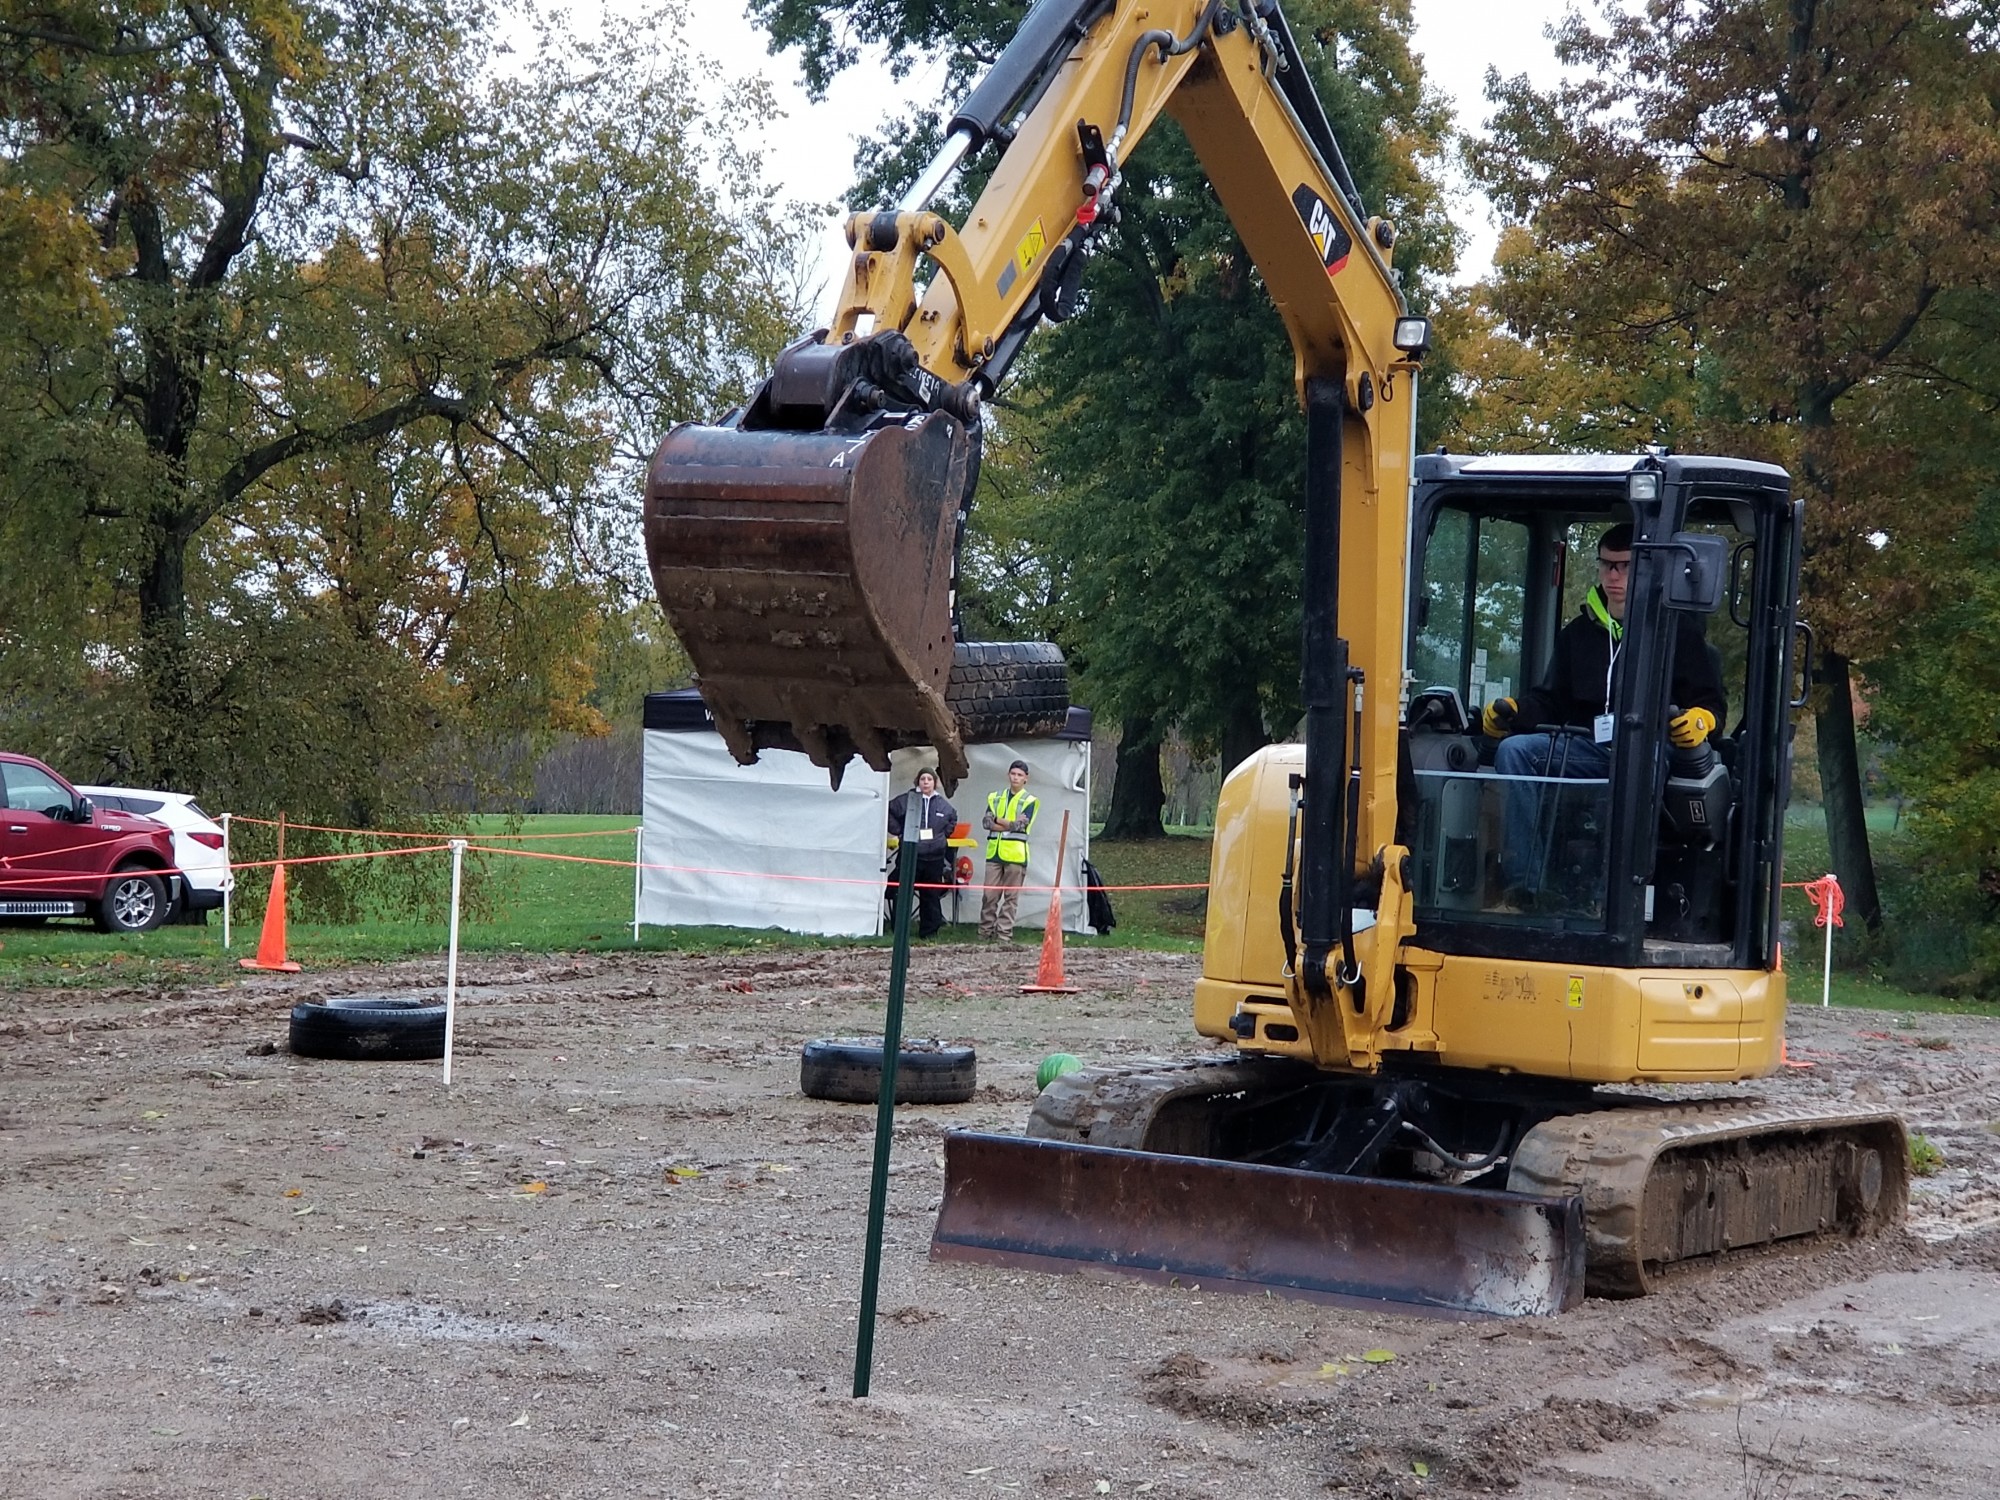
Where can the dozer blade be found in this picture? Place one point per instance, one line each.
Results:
(1058, 1206)
(809, 575)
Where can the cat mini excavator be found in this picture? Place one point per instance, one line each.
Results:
(1438, 994)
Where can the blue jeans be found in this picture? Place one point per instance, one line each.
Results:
(1529, 809)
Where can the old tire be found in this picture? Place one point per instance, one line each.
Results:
(134, 901)
(849, 1070)
(1007, 690)
(368, 1028)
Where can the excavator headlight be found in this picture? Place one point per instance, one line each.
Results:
(1413, 336)
(1642, 486)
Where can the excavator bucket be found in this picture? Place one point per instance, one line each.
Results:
(810, 576)
(1058, 1206)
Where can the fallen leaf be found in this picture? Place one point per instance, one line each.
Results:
(1329, 1370)
(520, 1421)
(1103, 1486)
(684, 1173)
(975, 1473)
(535, 1187)
(300, 1213)
(1421, 1469)
(295, 1192)
(1379, 1356)
(153, 1114)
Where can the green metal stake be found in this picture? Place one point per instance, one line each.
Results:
(885, 1104)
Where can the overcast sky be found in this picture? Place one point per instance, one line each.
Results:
(809, 151)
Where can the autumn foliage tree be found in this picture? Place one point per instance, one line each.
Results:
(329, 340)
(1740, 214)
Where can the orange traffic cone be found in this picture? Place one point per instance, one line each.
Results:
(1049, 972)
(271, 943)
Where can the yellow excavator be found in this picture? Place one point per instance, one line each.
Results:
(1444, 984)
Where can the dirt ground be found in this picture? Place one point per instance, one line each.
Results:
(622, 1257)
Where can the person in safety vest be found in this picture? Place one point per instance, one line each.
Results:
(935, 820)
(1577, 694)
(1009, 817)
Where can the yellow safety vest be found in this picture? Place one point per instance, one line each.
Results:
(1011, 848)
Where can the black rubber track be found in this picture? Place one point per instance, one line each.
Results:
(368, 1028)
(849, 1069)
(1007, 690)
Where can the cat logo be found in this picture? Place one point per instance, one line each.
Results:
(1327, 235)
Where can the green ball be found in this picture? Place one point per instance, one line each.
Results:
(1054, 1066)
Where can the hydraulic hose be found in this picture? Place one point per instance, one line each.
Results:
(1170, 46)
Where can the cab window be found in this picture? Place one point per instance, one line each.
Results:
(1470, 607)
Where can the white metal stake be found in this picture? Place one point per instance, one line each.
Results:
(451, 958)
(1826, 974)
(228, 881)
(638, 874)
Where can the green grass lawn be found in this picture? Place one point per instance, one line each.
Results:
(569, 894)
(1170, 919)
(574, 894)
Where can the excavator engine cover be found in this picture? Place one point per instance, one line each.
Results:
(810, 576)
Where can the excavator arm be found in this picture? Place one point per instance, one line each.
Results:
(805, 548)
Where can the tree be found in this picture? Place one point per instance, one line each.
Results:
(1931, 702)
(336, 351)
(1750, 208)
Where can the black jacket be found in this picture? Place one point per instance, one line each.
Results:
(1573, 692)
(940, 817)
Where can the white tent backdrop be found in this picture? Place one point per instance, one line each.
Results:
(772, 845)
(728, 832)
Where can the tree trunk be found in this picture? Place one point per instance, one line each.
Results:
(1840, 792)
(164, 752)
(1137, 793)
(1242, 737)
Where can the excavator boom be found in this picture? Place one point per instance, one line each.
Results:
(805, 547)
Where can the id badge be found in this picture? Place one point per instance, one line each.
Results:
(1601, 727)
(922, 834)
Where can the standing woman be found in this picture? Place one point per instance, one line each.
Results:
(936, 818)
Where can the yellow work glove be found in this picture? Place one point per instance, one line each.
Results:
(1691, 728)
(1498, 720)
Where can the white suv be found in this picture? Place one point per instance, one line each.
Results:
(198, 841)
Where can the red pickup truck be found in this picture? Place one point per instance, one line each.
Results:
(61, 857)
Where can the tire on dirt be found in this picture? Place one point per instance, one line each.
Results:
(849, 1070)
(134, 900)
(1007, 690)
(368, 1028)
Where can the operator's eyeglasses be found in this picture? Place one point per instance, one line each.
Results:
(1606, 565)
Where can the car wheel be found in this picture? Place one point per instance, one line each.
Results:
(849, 1070)
(368, 1028)
(134, 901)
